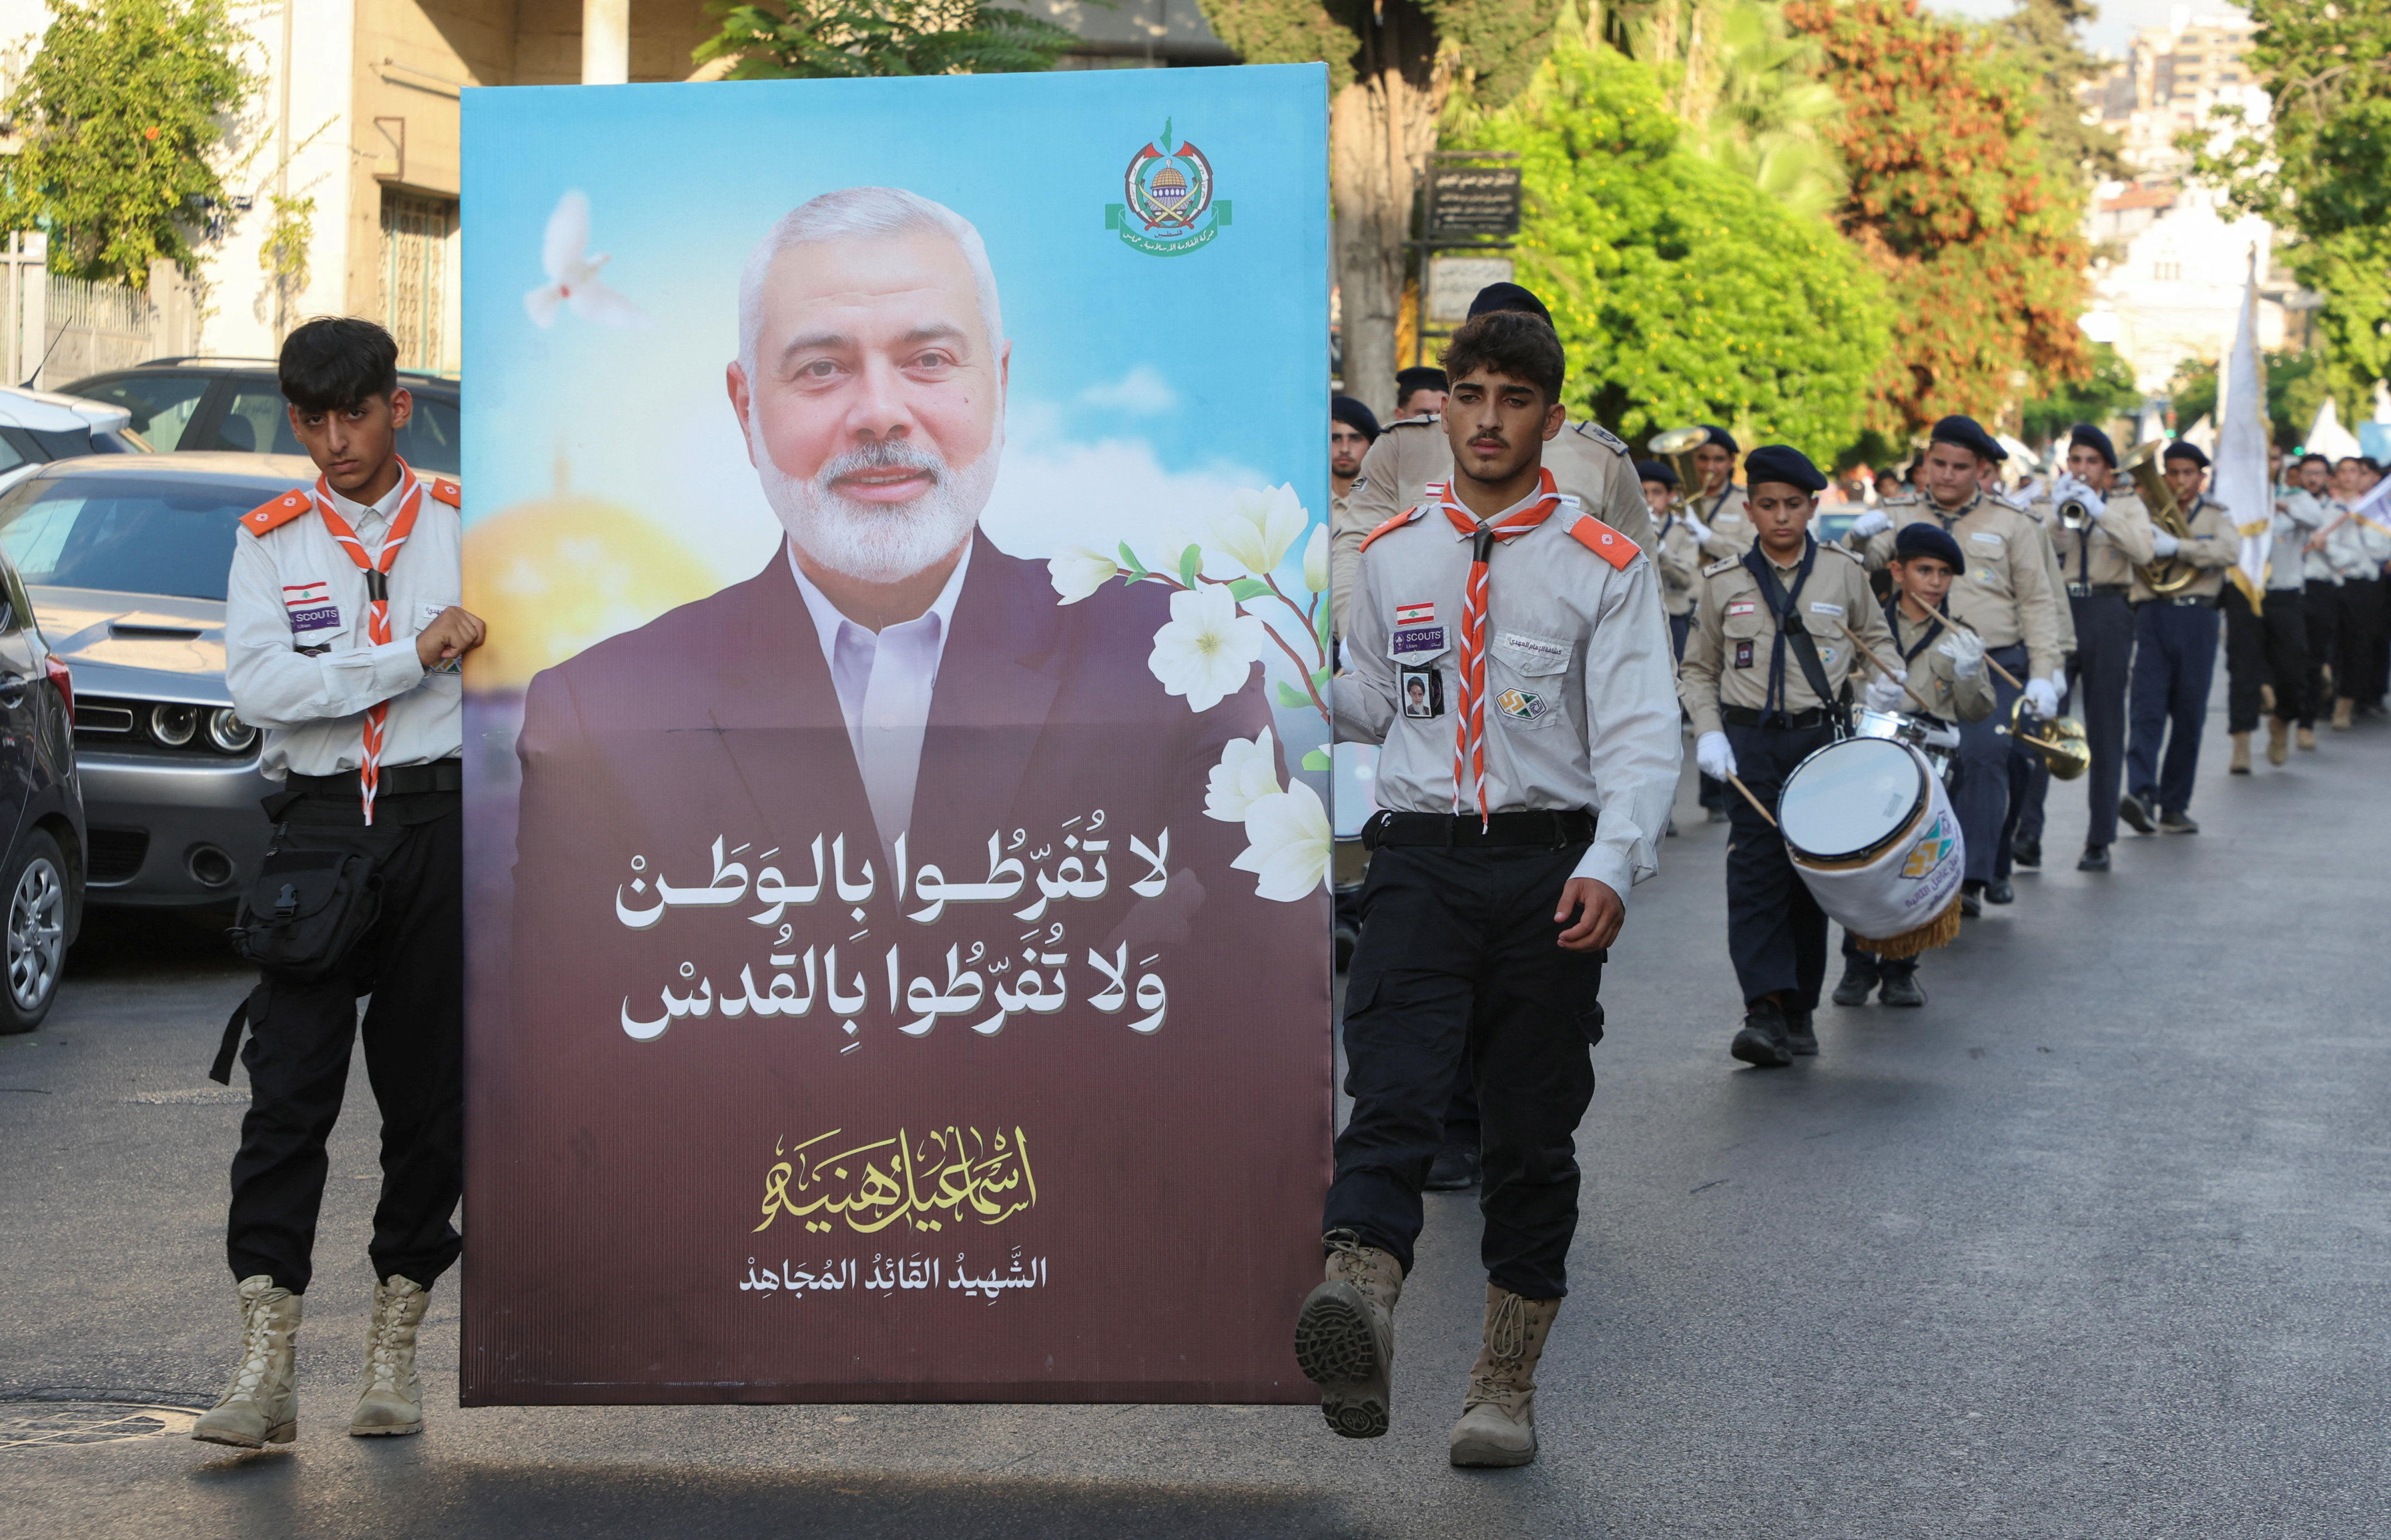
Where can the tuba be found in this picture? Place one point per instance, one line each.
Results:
(1677, 446)
(2170, 574)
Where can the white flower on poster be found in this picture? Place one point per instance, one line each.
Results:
(1077, 572)
(1315, 560)
(1248, 770)
(1206, 648)
(1288, 844)
(1259, 527)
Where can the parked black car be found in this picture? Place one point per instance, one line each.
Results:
(235, 404)
(41, 800)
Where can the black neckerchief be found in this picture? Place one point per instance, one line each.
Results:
(1720, 502)
(1893, 624)
(1790, 629)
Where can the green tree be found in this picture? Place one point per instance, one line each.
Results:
(2107, 391)
(1746, 85)
(2320, 170)
(2297, 385)
(1681, 290)
(844, 39)
(1952, 200)
(120, 110)
(2040, 39)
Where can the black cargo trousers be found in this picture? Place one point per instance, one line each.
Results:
(411, 961)
(1459, 959)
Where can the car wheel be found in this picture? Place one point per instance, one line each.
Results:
(37, 943)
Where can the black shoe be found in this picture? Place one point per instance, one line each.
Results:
(1860, 978)
(1800, 1033)
(1456, 1169)
(1901, 986)
(2027, 853)
(2135, 809)
(2177, 824)
(1717, 815)
(2096, 858)
(1998, 891)
(1972, 900)
(1762, 1041)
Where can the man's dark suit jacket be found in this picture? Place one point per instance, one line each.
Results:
(632, 1170)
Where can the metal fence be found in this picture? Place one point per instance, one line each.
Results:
(55, 329)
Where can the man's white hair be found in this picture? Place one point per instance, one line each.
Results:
(862, 212)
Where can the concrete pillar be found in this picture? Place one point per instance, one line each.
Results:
(605, 42)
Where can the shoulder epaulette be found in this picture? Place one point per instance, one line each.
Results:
(274, 514)
(1396, 523)
(1421, 420)
(1843, 550)
(448, 492)
(2005, 501)
(1601, 435)
(1900, 499)
(1723, 565)
(1604, 541)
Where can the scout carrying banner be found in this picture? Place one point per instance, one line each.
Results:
(897, 926)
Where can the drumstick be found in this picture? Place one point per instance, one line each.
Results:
(1952, 621)
(1738, 785)
(1923, 703)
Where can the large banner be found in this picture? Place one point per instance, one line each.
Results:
(898, 940)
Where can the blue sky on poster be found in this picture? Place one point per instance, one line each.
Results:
(1144, 389)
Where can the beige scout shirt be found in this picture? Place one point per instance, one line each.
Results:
(2006, 595)
(1680, 560)
(1936, 677)
(2105, 551)
(1727, 660)
(2215, 546)
(1727, 514)
(1587, 463)
(2045, 525)
(1579, 712)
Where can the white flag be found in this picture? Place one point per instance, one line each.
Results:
(2241, 479)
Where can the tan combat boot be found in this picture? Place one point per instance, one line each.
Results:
(1498, 1419)
(2308, 739)
(260, 1405)
(2240, 763)
(1345, 1335)
(2279, 740)
(391, 1400)
(2342, 707)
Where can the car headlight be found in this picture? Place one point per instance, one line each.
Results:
(227, 732)
(173, 725)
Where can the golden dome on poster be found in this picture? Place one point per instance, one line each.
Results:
(558, 575)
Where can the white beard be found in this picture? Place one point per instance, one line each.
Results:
(879, 542)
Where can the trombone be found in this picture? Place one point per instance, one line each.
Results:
(2169, 574)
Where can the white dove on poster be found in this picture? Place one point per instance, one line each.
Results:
(573, 273)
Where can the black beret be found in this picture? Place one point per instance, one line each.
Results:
(1508, 296)
(1966, 433)
(1345, 410)
(1782, 463)
(2182, 450)
(2091, 437)
(1421, 378)
(1713, 434)
(1928, 539)
(1652, 469)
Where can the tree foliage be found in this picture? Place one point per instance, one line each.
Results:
(121, 110)
(1491, 46)
(1952, 200)
(2321, 170)
(2107, 389)
(2297, 386)
(1746, 85)
(845, 39)
(1681, 291)
(2040, 39)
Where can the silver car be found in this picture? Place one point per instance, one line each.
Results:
(125, 558)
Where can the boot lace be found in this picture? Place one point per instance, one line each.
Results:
(1506, 1346)
(383, 1355)
(256, 1357)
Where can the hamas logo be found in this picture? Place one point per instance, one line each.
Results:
(1169, 193)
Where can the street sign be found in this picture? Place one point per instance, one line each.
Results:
(1472, 200)
(1453, 281)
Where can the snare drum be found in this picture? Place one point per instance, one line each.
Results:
(1871, 832)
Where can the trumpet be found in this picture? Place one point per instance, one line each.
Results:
(2061, 742)
(1677, 446)
(2074, 514)
(2169, 574)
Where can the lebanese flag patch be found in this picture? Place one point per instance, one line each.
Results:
(1415, 615)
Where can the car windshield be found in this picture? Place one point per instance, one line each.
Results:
(128, 533)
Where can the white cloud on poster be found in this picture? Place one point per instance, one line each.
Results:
(1143, 392)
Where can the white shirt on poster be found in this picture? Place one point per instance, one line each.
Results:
(884, 680)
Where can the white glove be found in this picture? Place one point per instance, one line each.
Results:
(2067, 488)
(1876, 521)
(2043, 696)
(1885, 694)
(1712, 753)
(1965, 651)
(1701, 531)
(2163, 543)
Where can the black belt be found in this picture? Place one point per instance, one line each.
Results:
(441, 775)
(2187, 601)
(2086, 591)
(1550, 829)
(1799, 721)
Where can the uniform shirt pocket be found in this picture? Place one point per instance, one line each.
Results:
(1742, 617)
(1532, 656)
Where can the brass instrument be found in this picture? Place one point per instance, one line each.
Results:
(2074, 514)
(2061, 743)
(1677, 446)
(2168, 574)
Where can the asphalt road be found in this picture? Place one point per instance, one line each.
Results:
(2095, 1245)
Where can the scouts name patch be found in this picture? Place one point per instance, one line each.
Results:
(311, 608)
(1417, 638)
(1524, 705)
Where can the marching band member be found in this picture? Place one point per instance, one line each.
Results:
(2266, 648)
(2096, 565)
(2175, 655)
(1588, 462)
(2356, 546)
(1680, 559)
(2006, 599)
(2020, 841)
(1764, 679)
(1520, 797)
(2321, 603)
(1944, 668)
(1721, 519)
